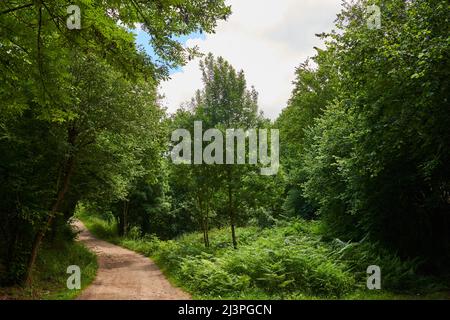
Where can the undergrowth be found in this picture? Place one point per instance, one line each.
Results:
(288, 261)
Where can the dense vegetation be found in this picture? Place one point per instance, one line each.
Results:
(375, 161)
(79, 116)
(364, 177)
(50, 273)
(290, 260)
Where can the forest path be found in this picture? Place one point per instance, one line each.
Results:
(124, 275)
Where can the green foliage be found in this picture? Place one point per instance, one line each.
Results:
(146, 246)
(292, 260)
(105, 32)
(104, 229)
(261, 217)
(296, 205)
(374, 131)
(276, 262)
(397, 274)
(79, 119)
(50, 275)
(314, 89)
(52, 265)
(205, 275)
(365, 151)
(212, 195)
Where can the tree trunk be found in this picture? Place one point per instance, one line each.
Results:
(55, 208)
(233, 233)
(52, 236)
(126, 205)
(207, 226)
(40, 235)
(231, 210)
(203, 220)
(120, 230)
(205, 232)
(204, 236)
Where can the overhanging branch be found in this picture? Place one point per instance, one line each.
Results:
(16, 8)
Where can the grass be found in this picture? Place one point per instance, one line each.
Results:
(49, 276)
(289, 261)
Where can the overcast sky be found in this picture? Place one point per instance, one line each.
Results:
(267, 39)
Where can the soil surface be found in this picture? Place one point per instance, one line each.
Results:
(125, 275)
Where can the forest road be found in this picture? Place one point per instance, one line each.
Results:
(124, 275)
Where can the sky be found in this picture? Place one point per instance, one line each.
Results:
(267, 39)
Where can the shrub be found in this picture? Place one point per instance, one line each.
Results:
(279, 261)
(397, 274)
(205, 274)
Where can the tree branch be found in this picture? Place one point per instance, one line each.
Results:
(16, 8)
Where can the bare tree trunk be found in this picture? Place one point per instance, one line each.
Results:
(205, 232)
(55, 208)
(207, 226)
(203, 220)
(231, 210)
(126, 205)
(233, 232)
(40, 235)
(205, 241)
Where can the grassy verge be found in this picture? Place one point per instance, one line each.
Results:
(49, 277)
(290, 261)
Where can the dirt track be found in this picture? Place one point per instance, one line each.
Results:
(125, 275)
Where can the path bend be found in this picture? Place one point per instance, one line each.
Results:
(124, 275)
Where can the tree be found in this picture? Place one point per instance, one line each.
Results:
(375, 161)
(114, 121)
(314, 89)
(73, 109)
(226, 103)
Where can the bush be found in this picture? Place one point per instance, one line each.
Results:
(49, 275)
(376, 160)
(397, 274)
(147, 246)
(296, 205)
(100, 227)
(205, 274)
(293, 260)
(169, 255)
(262, 218)
(277, 262)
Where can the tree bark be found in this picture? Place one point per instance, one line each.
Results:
(125, 217)
(40, 235)
(203, 218)
(69, 166)
(231, 210)
(207, 226)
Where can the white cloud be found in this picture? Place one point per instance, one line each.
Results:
(267, 39)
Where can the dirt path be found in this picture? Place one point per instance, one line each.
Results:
(125, 275)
